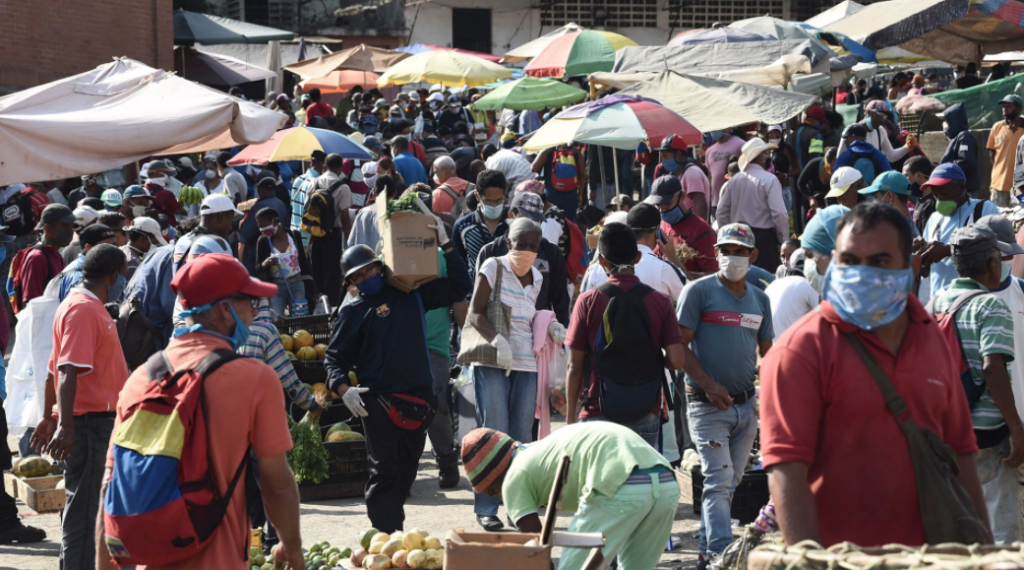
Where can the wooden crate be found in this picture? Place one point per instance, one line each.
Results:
(44, 501)
(11, 484)
(44, 483)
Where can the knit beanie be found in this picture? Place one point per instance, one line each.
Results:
(486, 455)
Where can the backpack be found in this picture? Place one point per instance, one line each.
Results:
(459, 208)
(318, 213)
(139, 336)
(867, 166)
(14, 280)
(563, 172)
(949, 330)
(162, 504)
(18, 215)
(629, 363)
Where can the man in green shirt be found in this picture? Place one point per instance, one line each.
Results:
(617, 485)
(985, 329)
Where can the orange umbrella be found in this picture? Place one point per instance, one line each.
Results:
(341, 81)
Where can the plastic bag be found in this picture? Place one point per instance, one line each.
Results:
(556, 380)
(27, 370)
(417, 129)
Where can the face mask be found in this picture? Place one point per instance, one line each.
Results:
(161, 181)
(1003, 274)
(64, 237)
(673, 216)
(814, 278)
(491, 212)
(521, 261)
(269, 231)
(870, 123)
(434, 105)
(371, 285)
(734, 267)
(436, 181)
(716, 135)
(456, 108)
(867, 297)
(138, 211)
(671, 164)
(369, 131)
(915, 189)
(946, 207)
(211, 173)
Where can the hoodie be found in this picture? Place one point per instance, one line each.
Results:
(863, 149)
(962, 149)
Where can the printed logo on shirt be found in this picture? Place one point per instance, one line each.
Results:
(730, 319)
(383, 311)
(116, 547)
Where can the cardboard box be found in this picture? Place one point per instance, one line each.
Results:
(409, 247)
(494, 551)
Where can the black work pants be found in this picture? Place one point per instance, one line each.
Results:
(394, 460)
(325, 265)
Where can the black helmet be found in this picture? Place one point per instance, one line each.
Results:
(357, 257)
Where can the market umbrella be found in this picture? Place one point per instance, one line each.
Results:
(618, 121)
(835, 13)
(194, 28)
(578, 53)
(214, 69)
(359, 58)
(420, 48)
(450, 68)
(341, 81)
(532, 49)
(298, 143)
(717, 36)
(776, 28)
(530, 93)
(839, 42)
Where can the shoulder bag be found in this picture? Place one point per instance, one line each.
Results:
(474, 348)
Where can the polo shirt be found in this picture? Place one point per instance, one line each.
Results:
(587, 317)
(697, 234)
(820, 407)
(85, 336)
(1003, 142)
(410, 169)
(727, 330)
(941, 228)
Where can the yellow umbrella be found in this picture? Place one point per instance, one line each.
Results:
(450, 68)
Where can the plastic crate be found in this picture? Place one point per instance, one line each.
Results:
(917, 123)
(320, 326)
(348, 468)
(310, 371)
(750, 496)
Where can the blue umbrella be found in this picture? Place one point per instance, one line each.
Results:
(840, 40)
(298, 143)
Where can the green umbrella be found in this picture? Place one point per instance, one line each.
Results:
(530, 93)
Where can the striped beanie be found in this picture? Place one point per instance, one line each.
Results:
(486, 455)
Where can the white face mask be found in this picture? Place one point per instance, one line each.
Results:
(161, 181)
(138, 211)
(211, 173)
(436, 180)
(815, 279)
(734, 267)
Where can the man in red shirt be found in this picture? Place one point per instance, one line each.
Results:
(679, 224)
(43, 262)
(37, 192)
(833, 450)
(317, 109)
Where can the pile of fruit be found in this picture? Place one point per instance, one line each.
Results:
(190, 196)
(413, 549)
(299, 346)
(342, 432)
(320, 556)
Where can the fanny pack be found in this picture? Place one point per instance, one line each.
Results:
(407, 412)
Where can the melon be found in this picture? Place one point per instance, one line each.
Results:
(413, 541)
(398, 559)
(358, 556)
(416, 559)
(321, 351)
(288, 342)
(303, 339)
(318, 387)
(340, 426)
(34, 467)
(345, 436)
(391, 547)
(376, 547)
(366, 538)
(290, 355)
(306, 353)
(433, 543)
(435, 559)
(380, 537)
(377, 562)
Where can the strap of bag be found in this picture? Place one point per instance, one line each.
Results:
(896, 404)
(497, 281)
(449, 191)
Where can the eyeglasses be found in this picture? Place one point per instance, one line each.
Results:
(253, 301)
(364, 274)
(487, 202)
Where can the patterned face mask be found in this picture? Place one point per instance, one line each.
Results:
(867, 297)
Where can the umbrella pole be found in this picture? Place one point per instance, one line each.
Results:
(600, 163)
(615, 166)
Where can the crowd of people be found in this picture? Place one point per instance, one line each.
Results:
(706, 297)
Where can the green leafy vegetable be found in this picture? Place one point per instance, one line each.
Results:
(308, 456)
(406, 203)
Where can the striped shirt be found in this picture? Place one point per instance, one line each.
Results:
(986, 327)
(470, 233)
(264, 343)
(523, 302)
(302, 186)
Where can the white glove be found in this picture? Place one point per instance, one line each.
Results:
(557, 332)
(442, 236)
(353, 402)
(504, 352)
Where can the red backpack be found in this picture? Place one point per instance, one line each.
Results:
(948, 328)
(162, 504)
(564, 171)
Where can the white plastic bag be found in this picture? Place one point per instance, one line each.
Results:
(27, 369)
(417, 129)
(557, 379)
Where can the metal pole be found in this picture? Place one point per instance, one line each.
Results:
(615, 165)
(600, 163)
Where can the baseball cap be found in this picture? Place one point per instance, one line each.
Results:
(91, 202)
(737, 234)
(436, 97)
(84, 216)
(663, 189)
(944, 174)
(55, 213)
(816, 112)
(890, 181)
(370, 120)
(95, 234)
(775, 128)
(1002, 228)
(841, 181)
(1013, 98)
(112, 197)
(266, 176)
(213, 277)
(380, 104)
(529, 205)
(217, 203)
(318, 155)
(136, 191)
(454, 100)
(877, 106)
(972, 239)
(372, 143)
(672, 142)
(855, 130)
(185, 161)
(148, 226)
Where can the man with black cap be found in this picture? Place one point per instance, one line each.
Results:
(680, 225)
(33, 268)
(454, 113)
(302, 187)
(1003, 148)
(380, 341)
(90, 237)
(249, 230)
(675, 160)
(90, 188)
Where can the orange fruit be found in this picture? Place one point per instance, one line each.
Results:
(319, 387)
(302, 339)
(307, 353)
(321, 351)
(288, 342)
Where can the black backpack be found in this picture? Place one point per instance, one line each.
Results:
(18, 215)
(318, 214)
(140, 337)
(629, 363)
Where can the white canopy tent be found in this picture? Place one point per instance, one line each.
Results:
(835, 13)
(115, 114)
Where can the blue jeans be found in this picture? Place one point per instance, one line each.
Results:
(507, 404)
(723, 440)
(283, 299)
(647, 427)
(83, 477)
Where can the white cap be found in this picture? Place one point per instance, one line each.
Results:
(148, 226)
(842, 178)
(615, 218)
(185, 161)
(217, 203)
(435, 96)
(84, 215)
(777, 128)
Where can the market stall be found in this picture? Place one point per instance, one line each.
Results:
(192, 28)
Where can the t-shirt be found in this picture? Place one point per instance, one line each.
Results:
(439, 321)
(697, 234)
(587, 316)
(791, 298)
(244, 406)
(1003, 141)
(442, 201)
(759, 277)
(318, 109)
(727, 330)
(820, 407)
(35, 273)
(85, 336)
(693, 181)
(716, 158)
(941, 228)
(986, 328)
(602, 455)
(523, 302)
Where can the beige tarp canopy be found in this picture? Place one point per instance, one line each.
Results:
(117, 113)
(360, 58)
(711, 104)
(779, 74)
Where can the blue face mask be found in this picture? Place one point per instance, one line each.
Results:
(371, 286)
(491, 212)
(671, 164)
(1003, 274)
(673, 216)
(716, 135)
(870, 123)
(237, 339)
(867, 297)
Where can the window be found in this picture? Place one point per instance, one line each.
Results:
(704, 13)
(611, 14)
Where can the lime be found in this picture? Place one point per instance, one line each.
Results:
(259, 560)
(334, 560)
(253, 552)
(346, 553)
(267, 566)
(317, 562)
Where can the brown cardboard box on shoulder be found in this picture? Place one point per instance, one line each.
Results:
(409, 246)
